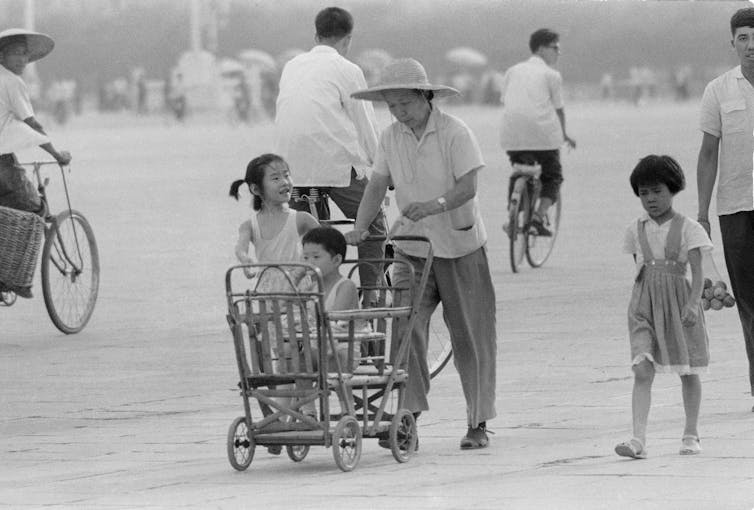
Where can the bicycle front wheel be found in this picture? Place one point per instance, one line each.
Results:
(70, 272)
(518, 221)
(539, 248)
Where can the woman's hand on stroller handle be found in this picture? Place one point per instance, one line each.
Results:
(356, 236)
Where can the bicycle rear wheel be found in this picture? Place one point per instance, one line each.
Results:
(70, 272)
(439, 349)
(518, 221)
(539, 248)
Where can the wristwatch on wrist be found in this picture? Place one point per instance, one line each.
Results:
(443, 203)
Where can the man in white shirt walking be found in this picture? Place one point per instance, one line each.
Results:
(533, 125)
(725, 156)
(328, 138)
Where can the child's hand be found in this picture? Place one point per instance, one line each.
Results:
(249, 272)
(690, 314)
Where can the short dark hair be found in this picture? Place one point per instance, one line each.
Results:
(329, 238)
(542, 37)
(653, 169)
(742, 18)
(333, 22)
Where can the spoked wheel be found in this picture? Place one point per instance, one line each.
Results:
(7, 297)
(403, 435)
(517, 229)
(297, 452)
(538, 248)
(70, 272)
(240, 445)
(346, 443)
(439, 349)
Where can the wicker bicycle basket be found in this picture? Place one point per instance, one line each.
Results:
(20, 238)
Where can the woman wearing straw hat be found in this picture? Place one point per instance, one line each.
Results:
(18, 127)
(432, 159)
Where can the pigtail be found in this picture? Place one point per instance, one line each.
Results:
(234, 188)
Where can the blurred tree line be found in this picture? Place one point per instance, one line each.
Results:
(102, 39)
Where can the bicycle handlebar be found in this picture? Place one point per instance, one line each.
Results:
(37, 164)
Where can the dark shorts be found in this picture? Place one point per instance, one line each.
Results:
(552, 172)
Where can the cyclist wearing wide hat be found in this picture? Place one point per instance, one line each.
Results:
(19, 129)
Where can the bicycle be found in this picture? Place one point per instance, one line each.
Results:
(70, 261)
(523, 202)
(439, 350)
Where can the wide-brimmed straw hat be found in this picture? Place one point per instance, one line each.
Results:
(403, 73)
(38, 45)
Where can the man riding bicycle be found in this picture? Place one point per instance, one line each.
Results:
(533, 123)
(328, 138)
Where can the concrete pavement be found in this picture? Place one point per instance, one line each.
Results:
(133, 412)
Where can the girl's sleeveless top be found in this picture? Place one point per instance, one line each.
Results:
(284, 247)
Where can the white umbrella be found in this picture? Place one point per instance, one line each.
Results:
(466, 56)
(260, 58)
(372, 62)
(230, 66)
(374, 57)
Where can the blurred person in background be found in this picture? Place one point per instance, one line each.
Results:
(328, 138)
(725, 156)
(177, 96)
(533, 124)
(19, 129)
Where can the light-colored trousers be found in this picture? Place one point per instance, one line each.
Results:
(464, 287)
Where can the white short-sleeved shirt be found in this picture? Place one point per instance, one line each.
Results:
(424, 169)
(692, 236)
(531, 91)
(15, 106)
(321, 131)
(727, 112)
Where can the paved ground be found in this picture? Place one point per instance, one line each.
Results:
(134, 411)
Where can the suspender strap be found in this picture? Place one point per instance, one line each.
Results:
(646, 251)
(673, 243)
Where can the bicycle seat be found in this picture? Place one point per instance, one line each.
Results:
(529, 170)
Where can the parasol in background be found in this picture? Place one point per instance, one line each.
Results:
(229, 66)
(372, 62)
(466, 56)
(253, 57)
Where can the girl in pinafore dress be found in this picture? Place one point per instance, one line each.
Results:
(665, 320)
